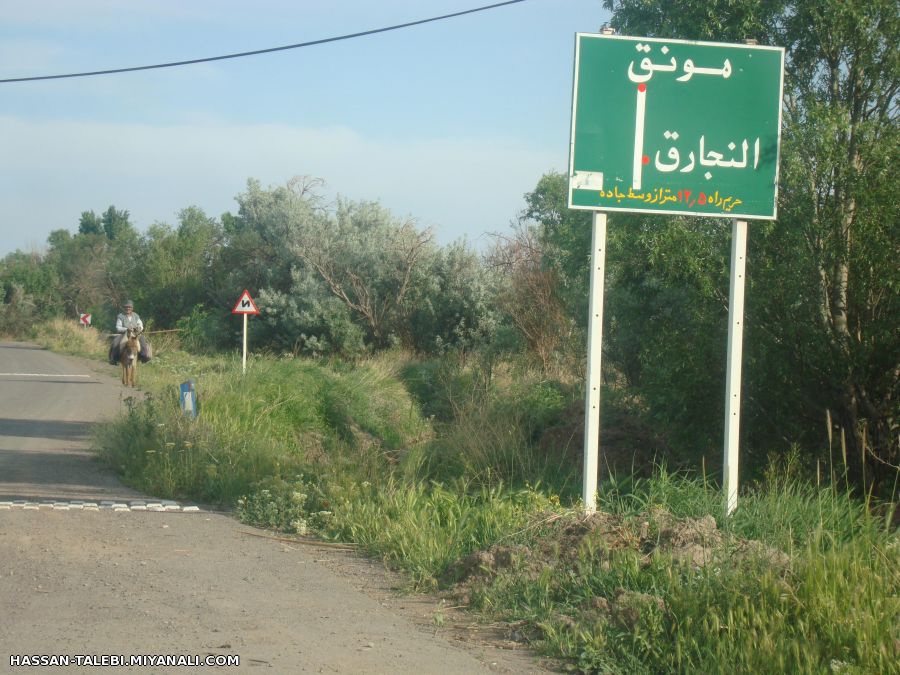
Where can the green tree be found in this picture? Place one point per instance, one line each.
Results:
(175, 267)
(81, 268)
(368, 260)
(565, 237)
(115, 223)
(89, 223)
(451, 305)
(823, 304)
(32, 272)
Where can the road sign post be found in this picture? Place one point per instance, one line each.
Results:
(733, 368)
(245, 306)
(595, 341)
(84, 320)
(673, 127)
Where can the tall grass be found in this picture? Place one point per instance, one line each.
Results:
(345, 450)
(834, 607)
(422, 528)
(68, 337)
(283, 418)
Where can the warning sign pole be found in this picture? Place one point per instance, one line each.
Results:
(245, 306)
(244, 360)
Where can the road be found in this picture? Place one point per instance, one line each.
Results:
(79, 582)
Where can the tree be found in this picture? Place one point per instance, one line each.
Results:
(368, 261)
(89, 223)
(115, 223)
(565, 236)
(175, 268)
(531, 296)
(451, 303)
(81, 264)
(304, 257)
(824, 320)
(31, 272)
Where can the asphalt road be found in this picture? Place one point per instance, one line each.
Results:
(98, 585)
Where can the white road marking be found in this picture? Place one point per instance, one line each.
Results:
(105, 505)
(41, 375)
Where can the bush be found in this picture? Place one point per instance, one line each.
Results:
(17, 309)
(296, 506)
(204, 331)
(69, 337)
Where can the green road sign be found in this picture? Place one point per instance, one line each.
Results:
(671, 126)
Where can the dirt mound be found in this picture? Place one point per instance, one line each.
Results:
(480, 564)
(693, 540)
(567, 545)
(566, 539)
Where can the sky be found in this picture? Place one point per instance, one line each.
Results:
(449, 123)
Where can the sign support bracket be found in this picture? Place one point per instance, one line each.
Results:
(593, 379)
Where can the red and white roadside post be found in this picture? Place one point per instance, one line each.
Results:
(245, 306)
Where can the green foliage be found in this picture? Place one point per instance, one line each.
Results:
(17, 309)
(443, 386)
(490, 425)
(352, 278)
(176, 273)
(422, 528)
(283, 417)
(309, 321)
(452, 303)
(115, 223)
(294, 506)
(823, 300)
(203, 331)
(89, 223)
(614, 600)
(27, 291)
(68, 336)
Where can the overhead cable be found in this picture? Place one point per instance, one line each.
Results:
(255, 52)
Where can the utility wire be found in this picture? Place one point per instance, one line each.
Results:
(238, 55)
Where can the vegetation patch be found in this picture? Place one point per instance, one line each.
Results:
(471, 501)
(653, 592)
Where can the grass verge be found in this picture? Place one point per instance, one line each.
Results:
(800, 579)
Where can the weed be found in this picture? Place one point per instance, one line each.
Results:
(802, 578)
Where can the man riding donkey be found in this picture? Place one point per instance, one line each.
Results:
(128, 319)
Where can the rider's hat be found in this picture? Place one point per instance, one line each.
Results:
(129, 303)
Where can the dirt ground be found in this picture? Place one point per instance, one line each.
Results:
(124, 583)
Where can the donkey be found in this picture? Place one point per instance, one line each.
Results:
(128, 356)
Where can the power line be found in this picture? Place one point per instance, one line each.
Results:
(238, 55)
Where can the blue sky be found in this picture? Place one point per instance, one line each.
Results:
(450, 122)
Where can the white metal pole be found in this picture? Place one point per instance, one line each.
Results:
(244, 362)
(735, 351)
(595, 340)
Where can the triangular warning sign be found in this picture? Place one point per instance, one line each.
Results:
(245, 305)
